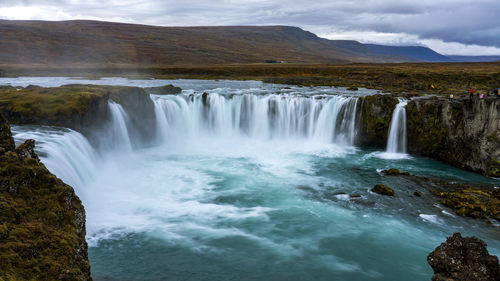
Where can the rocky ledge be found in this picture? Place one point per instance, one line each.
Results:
(83, 108)
(462, 132)
(42, 221)
(463, 259)
(163, 90)
(466, 200)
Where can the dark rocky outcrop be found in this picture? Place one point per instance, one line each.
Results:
(376, 114)
(382, 189)
(6, 140)
(474, 201)
(42, 221)
(163, 90)
(463, 259)
(462, 132)
(83, 108)
(394, 172)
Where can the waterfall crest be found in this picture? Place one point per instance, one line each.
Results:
(329, 119)
(66, 153)
(396, 141)
(119, 132)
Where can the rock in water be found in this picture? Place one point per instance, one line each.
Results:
(163, 90)
(383, 190)
(463, 259)
(394, 172)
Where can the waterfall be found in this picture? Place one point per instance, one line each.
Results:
(396, 142)
(66, 153)
(322, 118)
(119, 131)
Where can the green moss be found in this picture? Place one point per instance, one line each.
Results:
(383, 190)
(494, 167)
(376, 113)
(471, 202)
(42, 235)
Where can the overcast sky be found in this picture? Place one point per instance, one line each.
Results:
(450, 27)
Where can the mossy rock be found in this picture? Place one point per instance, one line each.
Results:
(475, 203)
(394, 172)
(382, 189)
(42, 221)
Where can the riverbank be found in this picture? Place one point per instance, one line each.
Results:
(401, 78)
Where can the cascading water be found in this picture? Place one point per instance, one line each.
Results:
(119, 131)
(328, 119)
(238, 181)
(396, 141)
(65, 152)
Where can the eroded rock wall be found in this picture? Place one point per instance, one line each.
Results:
(42, 221)
(462, 132)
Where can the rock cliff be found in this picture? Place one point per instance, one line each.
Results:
(463, 259)
(42, 221)
(461, 132)
(83, 108)
(376, 112)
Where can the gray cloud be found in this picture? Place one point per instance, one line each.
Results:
(463, 21)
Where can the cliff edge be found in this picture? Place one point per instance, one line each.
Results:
(42, 221)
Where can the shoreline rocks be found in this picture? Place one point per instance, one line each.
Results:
(463, 259)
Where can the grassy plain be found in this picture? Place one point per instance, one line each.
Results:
(398, 78)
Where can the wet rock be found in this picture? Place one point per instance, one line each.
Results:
(163, 90)
(382, 189)
(376, 112)
(204, 98)
(352, 88)
(394, 172)
(463, 259)
(464, 133)
(418, 194)
(472, 202)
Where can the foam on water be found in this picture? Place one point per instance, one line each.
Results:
(244, 185)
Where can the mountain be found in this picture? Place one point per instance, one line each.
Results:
(475, 58)
(416, 53)
(68, 42)
(95, 43)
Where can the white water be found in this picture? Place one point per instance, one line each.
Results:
(244, 180)
(396, 141)
(322, 118)
(120, 138)
(66, 153)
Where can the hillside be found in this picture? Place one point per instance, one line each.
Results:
(475, 58)
(417, 53)
(104, 43)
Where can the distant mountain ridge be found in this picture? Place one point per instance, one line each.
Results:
(418, 53)
(106, 43)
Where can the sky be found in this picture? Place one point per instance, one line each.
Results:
(459, 27)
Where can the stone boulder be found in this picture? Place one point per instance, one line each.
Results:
(382, 189)
(463, 259)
